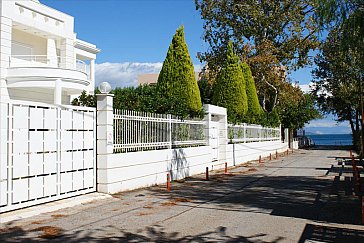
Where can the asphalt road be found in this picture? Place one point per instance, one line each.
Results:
(303, 197)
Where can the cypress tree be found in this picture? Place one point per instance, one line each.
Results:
(254, 108)
(176, 82)
(229, 88)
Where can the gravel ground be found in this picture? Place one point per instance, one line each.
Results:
(304, 197)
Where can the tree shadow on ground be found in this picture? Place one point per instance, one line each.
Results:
(113, 234)
(289, 196)
(320, 233)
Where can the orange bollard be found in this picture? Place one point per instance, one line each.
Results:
(168, 182)
(226, 168)
(270, 156)
(277, 157)
(207, 173)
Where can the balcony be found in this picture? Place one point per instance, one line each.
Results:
(17, 61)
(43, 71)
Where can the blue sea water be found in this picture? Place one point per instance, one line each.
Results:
(332, 139)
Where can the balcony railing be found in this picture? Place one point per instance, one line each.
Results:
(49, 61)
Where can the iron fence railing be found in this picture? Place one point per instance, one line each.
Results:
(140, 131)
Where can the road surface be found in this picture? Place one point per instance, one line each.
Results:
(303, 197)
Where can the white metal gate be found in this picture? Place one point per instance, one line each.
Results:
(214, 140)
(50, 153)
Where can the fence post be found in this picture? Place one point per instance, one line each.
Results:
(244, 125)
(170, 130)
(105, 138)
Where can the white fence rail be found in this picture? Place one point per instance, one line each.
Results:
(48, 153)
(246, 133)
(139, 131)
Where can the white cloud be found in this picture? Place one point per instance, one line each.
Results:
(305, 87)
(326, 123)
(126, 73)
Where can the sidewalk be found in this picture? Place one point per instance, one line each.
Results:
(287, 200)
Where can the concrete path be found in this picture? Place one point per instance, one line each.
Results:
(305, 197)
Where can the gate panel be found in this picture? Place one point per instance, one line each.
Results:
(50, 154)
(214, 140)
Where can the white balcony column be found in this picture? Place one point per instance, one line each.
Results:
(5, 55)
(67, 54)
(52, 53)
(58, 92)
(92, 75)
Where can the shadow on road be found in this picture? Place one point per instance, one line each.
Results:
(319, 233)
(113, 234)
(288, 196)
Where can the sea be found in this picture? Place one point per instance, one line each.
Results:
(332, 139)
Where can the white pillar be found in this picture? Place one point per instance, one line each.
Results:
(105, 143)
(220, 115)
(58, 92)
(67, 54)
(92, 76)
(5, 55)
(52, 53)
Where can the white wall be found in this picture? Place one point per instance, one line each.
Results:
(36, 95)
(38, 44)
(128, 171)
(243, 152)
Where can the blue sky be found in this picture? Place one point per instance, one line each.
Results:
(134, 36)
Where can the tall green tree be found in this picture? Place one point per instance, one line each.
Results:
(177, 82)
(229, 88)
(271, 36)
(254, 108)
(337, 80)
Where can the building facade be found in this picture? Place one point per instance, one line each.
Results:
(41, 58)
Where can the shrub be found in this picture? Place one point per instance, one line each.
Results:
(177, 84)
(229, 88)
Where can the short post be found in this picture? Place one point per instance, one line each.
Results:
(362, 210)
(226, 170)
(168, 182)
(287, 152)
(277, 157)
(260, 159)
(270, 156)
(207, 173)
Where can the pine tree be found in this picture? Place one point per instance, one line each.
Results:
(229, 88)
(254, 108)
(176, 82)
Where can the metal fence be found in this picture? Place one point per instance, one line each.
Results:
(140, 131)
(246, 133)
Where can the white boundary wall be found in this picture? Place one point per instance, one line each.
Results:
(240, 153)
(127, 171)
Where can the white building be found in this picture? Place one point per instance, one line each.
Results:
(41, 58)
